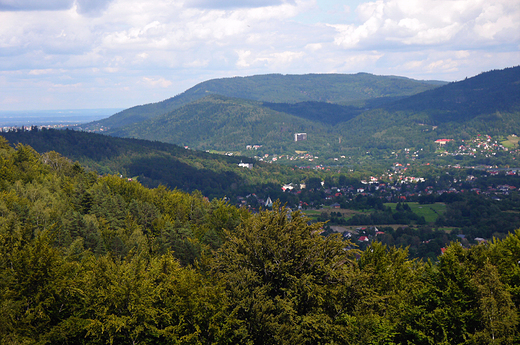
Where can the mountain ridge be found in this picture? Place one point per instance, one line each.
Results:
(276, 88)
(221, 123)
(496, 90)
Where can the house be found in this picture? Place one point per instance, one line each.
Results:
(336, 205)
(363, 239)
(288, 186)
(245, 165)
(269, 202)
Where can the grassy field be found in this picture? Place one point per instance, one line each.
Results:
(448, 229)
(430, 211)
(347, 214)
(511, 142)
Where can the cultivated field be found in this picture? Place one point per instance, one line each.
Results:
(430, 211)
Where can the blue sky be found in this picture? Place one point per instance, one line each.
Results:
(77, 54)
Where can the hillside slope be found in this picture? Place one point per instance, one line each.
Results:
(487, 103)
(333, 88)
(220, 123)
(484, 103)
(155, 163)
(497, 90)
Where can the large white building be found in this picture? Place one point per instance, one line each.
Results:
(300, 136)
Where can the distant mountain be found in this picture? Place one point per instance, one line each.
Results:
(497, 90)
(487, 102)
(221, 123)
(327, 113)
(277, 88)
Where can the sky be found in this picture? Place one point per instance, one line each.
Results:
(86, 54)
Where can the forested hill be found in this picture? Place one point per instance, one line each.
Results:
(486, 93)
(155, 163)
(102, 260)
(332, 88)
(487, 103)
(221, 123)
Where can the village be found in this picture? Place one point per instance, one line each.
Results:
(481, 145)
(380, 206)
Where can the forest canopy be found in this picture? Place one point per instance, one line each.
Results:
(89, 259)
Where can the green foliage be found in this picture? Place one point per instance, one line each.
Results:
(102, 260)
(464, 302)
(334, 88)
(378, 295)
(152, 163)
(283, 278)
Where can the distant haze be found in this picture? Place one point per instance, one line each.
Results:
(53, 117)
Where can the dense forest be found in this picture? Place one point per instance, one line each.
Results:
(331, 88)
(221, 123)
(89, 259)
(356, 116)
(155, 163)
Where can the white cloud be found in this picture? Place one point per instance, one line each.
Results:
(197, 63)
(228, 4)
(430, 22)
(246, 58)
(67, 87)
(314, 46)
(285, 57)
(243, 56)
(157, 82)
(126, 52)
(111, 69)
(42, 71)
(462, 54)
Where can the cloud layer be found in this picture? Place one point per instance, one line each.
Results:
(119, 53)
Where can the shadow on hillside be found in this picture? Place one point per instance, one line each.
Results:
(172, 173)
